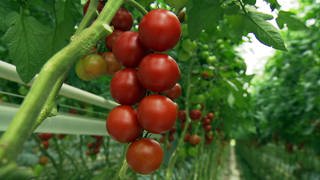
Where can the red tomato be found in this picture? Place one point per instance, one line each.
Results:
(182, 115)
(61, 136)
(209, 136)
(128, 50)
(174, 92)
(158, 72)
(144, 156)
(45, 144)
(45, 136)
(206, 121)
(112, 38)
(122, 20)
(207, 128)
(99, 8)
(194, 139)
(112, 64)
(157, 114)
(90, 145)
(125, 87)
(186, 137)
(210, 115)
(122, 124)
(159, 30)
(195, 114)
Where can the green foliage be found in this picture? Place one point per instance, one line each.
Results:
(287, 97)
(292, 22)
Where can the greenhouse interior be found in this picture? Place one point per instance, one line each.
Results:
(160, 89)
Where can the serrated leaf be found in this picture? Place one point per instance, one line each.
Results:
(290, 19)
(27, 40)
(203, 15)
(265, 32)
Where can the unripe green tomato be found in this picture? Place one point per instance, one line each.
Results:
(189, 45)
(211, 60)
(91, 67)
(183, 55)
(204, 54)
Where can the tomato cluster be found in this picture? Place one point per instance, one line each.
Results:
(94, 147)
(195, 115)
(45, 137)
(146, 87)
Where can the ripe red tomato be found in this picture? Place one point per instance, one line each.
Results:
(207, 128)
(112, 38)
(186, 137)
(112, 64)
(128, 50)
(144, 156)
(194, 139)
(206, 121)
(174, 92)
(210, 115)
(195, 114)
(157, 114)
(91, 67)
(45, 136)
(125, 87)
(182, 115)
(122, 124)
(99, 8)
(158, 72)
(122, 20)
(45, 144)
(159, 30)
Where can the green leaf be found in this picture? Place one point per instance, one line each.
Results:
(27, 40)
(66, 17)
(251, 2)
(273, 4)
(264, 16)
(203, 15)
(265, 32)
(290, 19)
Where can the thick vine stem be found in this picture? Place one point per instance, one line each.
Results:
(173, 157)
(88, 17)
(22, 125)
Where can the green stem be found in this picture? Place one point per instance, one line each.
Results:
(23, 122)
(89, 16)
(124, 166)
(137, 6)
(173, 157)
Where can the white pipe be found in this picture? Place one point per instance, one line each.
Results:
(60, 124)
(8, 71)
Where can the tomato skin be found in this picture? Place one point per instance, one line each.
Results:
(112, 64)
(99, 8)
(206, 121)
(195, 114)
(158, 72)
(43, 160)
(122, 20)
(45, 144)
(186, 137)
(194, 139)
(157, 114)
(128, 50)
(207, 128)
(144, 156)
(182, 116)
(125, 87)
(112, 38)
(159, 30)
(210, 115)
(90, 67)
(122, 124)
(45, 136)
(173, 93)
